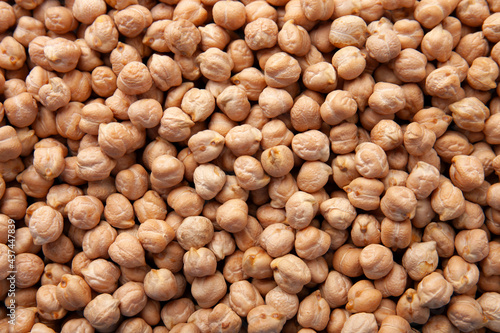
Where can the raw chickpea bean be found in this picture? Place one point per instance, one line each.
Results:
(29, 268)
(387, 134)
(394, 283)
(84, 212)
(250, 173)
(102, 34)
(301, 208)
(410, 308)
(320, 77)
(472, 245)
(132, 20)
(208, 290)
(277, 239)
(89, 59)
(87, 12)
(185, 201)
(387, 98)
(291, 273)
(305, 114)
(371, 160)
(103, 312)
(10, 145)
(222, 244)
(21, 110)
(182, 37)
(281, 189)
(437, 44)
(243, 297)
(256, 263)
(261, 33)
(8, 17)
(176, 312)
(229, 15)
(221, 318)
(364, 193)
(314, 312)
(243, 140)
(127, 251)
(344, 138)
(472, 14)
(53, 274)
(462, 275)
(198, 103)
(199, 262)
(434, 291)
(363, 297)
(360, 322)
(145, 113)
(439, 323)
(444, 235)
(420, 259)
(103, 81)
(73, 293)
(294, 39)
(206, 145)
(348, 30)
(265, 318)
(96, 242)
(288, 304)
(399, 203)
(465, 313)
(215, 64)
(275, 133)
(213, 35)
(13, 55)
(488, 302)
(448, 201)
(134, 78)
(453, 143)
(160, 284)
(338, 106)
(132, 182)
(274, 102)
(482, 74)
(466, 172)
(101, 275)
(46, 225)
(469, 114)
(93, 164)
(60, 251)
(28, 28)
(376, 261)
(365, 230)
(118, 211)
(311, 243)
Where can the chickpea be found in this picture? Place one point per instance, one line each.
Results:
(102, 34)
(103, 312)
(360, 322)
(364, 193)
(348, 30)
(420, 259)
(208, 290)
(434, 291)
(465, 313)
(265, 318)
(291, 273)
(261, 33)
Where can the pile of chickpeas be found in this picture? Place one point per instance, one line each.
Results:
(202, 166)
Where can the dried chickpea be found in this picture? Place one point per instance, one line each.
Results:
(338, 106)
(410, 308)
(103, 312)
(434, 291)
(465, 313)
(102, 34)
(420, 259)
(348, 30)
(364, 193)
(261, 34)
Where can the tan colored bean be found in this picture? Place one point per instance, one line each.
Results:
(265, 318)
(348, 30)
(208, 290)
(447, 201)
(261, 34)
(250, 173)
(410, 308)
(360, 322)
(102, 34)
(434, 291)
(364, 193)
(465, 313)
(103, 312)
(420, 259)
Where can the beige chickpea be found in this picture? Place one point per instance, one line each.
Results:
(118, 211)
(277, 239)
(434, 291)
(213, 35)
(265, 318)
(134, 78)
(281, 70)
(376, 261)
(160, 284)
(9, 16)
(311, 243)
(422, 180)
(127, 251)
(194, 231)
(365, 230)
(469, 114)
(301, 208)
(462, 275)
(466, 172)
(321, 77)
(215, 64)
(45, 225)
(261, 33)
(447, 201)
(243, 297)
(229, 15)
(250, 173)
(338, 212)
(28, 28)
(84, 212)
(344, 138)
(437, 44)
(96, 242)
(313, 176)
(360, 322)
(132, 20)
(176, 312)
(394, 283)
(206, 145)
(29, 268)
(274, 102)
(198, 103)
(420, 259)
(102, 34)
(103, 81)
(488, 302)
(287, 304)
(338, 106)
(103, 312)
(222, 317)
(10, 146)
(465, 313)
(443, 82)
(453, 143)
(387, 98)
(101, 275)
(281, 189)
(348, 30)
(439, 323)
(199, 262)
(243, 140)
(482, 74)
(185, 201)
(13, 54)
(410, 308)
(409, 66)
(20, 110)
(399, 203)
(363, 297)
(208, 290)
(209, 180)
(291, 273)
(73, 293)
(364, 193)
(222, 245)
(371, 160)
(294, 39)
(276, 133)
(443, 234)
(232, 215)
(472, 245)
(314, 312)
